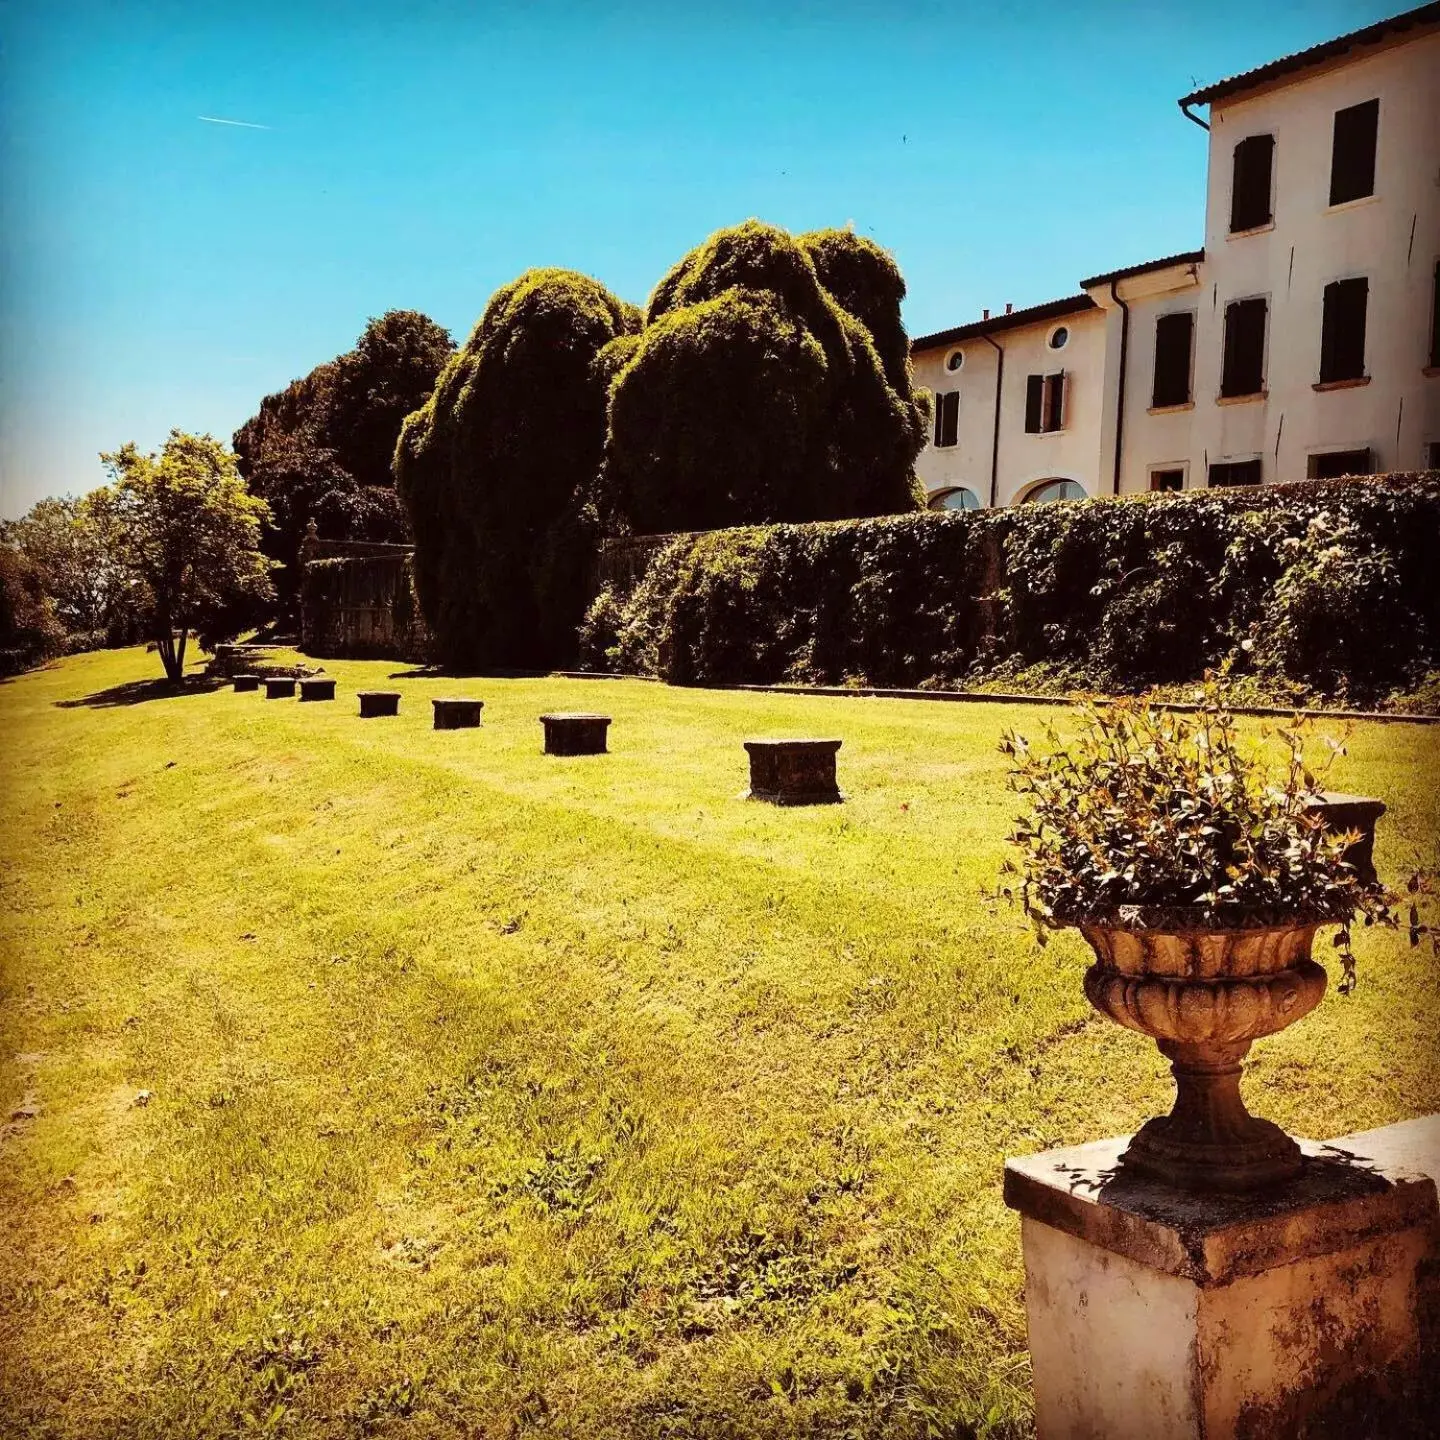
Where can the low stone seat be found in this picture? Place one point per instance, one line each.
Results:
(379, 702)
(793, 772)
(457, 713)
(279, 687)
(247, 682)
(575, 734)
(317, 687)
(1340, 812)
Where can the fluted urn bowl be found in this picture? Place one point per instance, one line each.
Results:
(1205, 995)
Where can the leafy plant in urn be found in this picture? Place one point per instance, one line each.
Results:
(1199, 878)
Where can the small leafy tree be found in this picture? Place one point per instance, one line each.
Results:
(188, 534)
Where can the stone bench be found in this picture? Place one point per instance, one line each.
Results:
(317, 687)
(457, 714)
(1341, 812)
(793, 772)
(247, 682)
(379, 702)
(575, 734)
(279, 687)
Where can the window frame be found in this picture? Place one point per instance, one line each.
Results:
(1168, 467)
(947, 419)
(1335, 452)
(1260, 391)
(1156, 404)
(1053, 402)
(1231, 463)
(934, 499)
(1268, 221)
(1329, 343)
(1374, 164)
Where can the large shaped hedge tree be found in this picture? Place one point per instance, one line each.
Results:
(497, 469)
(771, 382)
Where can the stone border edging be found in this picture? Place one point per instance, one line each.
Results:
(1001, 697)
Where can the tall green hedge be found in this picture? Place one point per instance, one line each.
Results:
(1329, 587)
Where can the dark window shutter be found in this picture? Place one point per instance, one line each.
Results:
(1243, 372)
(1250, 182)
(1352, 153)
(1172, 359)
(947, 417)
(1435, 319)
(1034, 400)
(1342, 330)
(1054, 401)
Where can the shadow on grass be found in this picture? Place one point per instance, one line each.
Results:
(137, 692)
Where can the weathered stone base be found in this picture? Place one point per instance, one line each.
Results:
(247, 682)
(793, 772)
(457, 714)
(1307, 1310)
(279, 687)
(575, 734)
(379, 702)
(1339, 812)
(317, 687)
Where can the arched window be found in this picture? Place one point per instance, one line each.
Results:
(1053, 490)
(955, 498)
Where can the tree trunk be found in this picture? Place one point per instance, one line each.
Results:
(174, 666)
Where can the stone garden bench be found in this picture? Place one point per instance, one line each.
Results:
(247, 682)
(457, 714)
(379, 702)
(317, 687)
(575, 734)
(793, 772)
(279, 687)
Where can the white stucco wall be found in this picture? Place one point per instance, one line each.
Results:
(1393, 238)
(1071, 453)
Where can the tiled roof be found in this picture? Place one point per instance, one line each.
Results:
(1185, 257)
(1315, 55)
(1050, 310)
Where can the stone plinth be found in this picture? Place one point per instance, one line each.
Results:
(1352, 812)
(379, 702)
(575, 734)
(1307, 1310)
(317, 687)
(279, 687)
(247, 682)
(457, 714)
(793, 772)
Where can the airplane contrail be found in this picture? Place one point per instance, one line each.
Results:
(244, 124)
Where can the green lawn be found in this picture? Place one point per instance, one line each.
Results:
(493, 1094)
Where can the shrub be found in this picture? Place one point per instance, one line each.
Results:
(30, 631)
(496, 473)
(1326, 585)
(753, 394)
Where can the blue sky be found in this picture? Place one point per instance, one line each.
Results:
(157, 270)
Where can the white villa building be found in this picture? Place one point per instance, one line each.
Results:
(1302, 341)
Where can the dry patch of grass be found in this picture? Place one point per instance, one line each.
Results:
(496, 1094)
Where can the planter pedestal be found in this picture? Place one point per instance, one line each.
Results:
(575, 734)
(279, 687)
(247, 682)
(793, 772)
(457, 714)
(379, 702)
(317, 687)
(1308, 1310)
(1352, 812)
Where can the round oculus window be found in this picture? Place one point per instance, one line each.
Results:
(1058, 336)
(955, 360)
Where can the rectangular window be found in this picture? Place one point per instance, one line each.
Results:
(1338, 462)
(1169, 479)
(1342, 331)
(1352, 153)
(1235, 472)
(1250, 183)
(1173, 337)
(947, 418)
(1243, 372)
(1044, 403)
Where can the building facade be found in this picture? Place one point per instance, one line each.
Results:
(1303, 340)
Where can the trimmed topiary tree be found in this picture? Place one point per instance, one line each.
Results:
(755, 394)
(496, 473)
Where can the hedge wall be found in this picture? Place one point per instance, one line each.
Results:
(1329, 588)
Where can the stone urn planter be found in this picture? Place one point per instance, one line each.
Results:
(793, 772)
(317, 687)
(379, 702)
(1205, 994)
(575, 734)
(247, 682)
(457, 713)
(279, 687)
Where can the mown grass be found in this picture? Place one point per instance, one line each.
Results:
(497, 1095)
